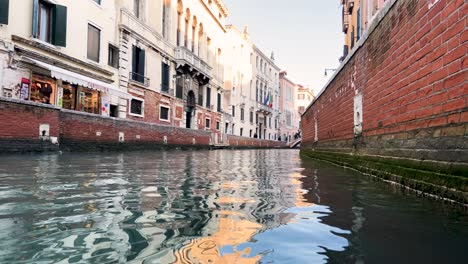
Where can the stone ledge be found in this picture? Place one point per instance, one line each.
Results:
(449, 181)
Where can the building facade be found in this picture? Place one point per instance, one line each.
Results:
(289, 120)
(305, 96)
(55, 54)
(166, 62)
(357, 16)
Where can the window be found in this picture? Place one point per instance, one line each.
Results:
(136, 107)
(233, 111)
(208, 97)
(251, 117)
(179, 86)
(242, 132)
(200, 93)
(301, 109)
(114, 111)
(301, 96)
(164, 113)
(45, 22)
(136, 8)
(165, 72)
(138, 65)
(207, 123)
(256, 118)
(113, 56)
(218, 125)
(219, 103)
(4, 10)
(242, 114)
(49, 22)
(94, 35)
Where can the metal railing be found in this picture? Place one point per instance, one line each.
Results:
(136, 77)
(165, 89)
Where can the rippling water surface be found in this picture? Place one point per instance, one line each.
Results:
(250, 206)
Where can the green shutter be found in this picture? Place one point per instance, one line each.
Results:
(4, 7)
(59, 25)
(35, 18)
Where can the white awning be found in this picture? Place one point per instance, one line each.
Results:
(79, 79)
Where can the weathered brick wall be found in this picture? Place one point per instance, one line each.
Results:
(237, 141)
(411, 71)
(20, 122)
(83, 131)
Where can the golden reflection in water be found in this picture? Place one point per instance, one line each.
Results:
(300, 200)
(231, 232)
(234, 230)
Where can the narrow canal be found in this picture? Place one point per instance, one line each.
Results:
(249, 206)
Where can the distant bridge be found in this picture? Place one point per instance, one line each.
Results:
(296, 143)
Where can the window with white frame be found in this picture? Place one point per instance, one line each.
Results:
(164, 113)
(137, 107)
(207, 123)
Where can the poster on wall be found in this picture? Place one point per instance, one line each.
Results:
(60, 97)
(24, 89)
(105, 104)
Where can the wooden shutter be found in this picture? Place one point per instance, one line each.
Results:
(59, 25)
(35, 19)
(4, 8)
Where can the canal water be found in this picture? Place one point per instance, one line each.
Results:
(226, 206)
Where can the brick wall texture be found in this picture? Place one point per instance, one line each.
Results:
(20, 122)
(412, 74)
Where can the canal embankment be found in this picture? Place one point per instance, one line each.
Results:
(31, 127)
(397, 107)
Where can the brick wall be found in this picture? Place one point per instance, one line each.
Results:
(411, 71)
(20, 122)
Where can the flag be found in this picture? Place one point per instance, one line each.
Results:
(271, 101)
(267, 98)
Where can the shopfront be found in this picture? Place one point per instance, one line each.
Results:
(55, 86)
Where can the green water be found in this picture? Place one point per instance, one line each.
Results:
(246, 206)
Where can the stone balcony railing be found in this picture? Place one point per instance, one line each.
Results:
(184, 56)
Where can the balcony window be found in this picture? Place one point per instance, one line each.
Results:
(219, 103)
(138, 65)
(49, 22)
(136, 107)
(4, 10)
(208, 97)
(165, 73)
(94, 36)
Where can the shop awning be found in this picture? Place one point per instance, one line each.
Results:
(79, 79)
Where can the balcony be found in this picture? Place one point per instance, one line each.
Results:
(166, 90)
(263, 109)
(186, 57)
(139, 79)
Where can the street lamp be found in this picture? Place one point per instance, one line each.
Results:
(327, 70)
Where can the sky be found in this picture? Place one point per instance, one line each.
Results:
(305, 35)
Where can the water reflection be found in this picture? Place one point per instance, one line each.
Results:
(185, 207)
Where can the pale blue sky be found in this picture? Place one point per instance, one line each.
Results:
(304, 34)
